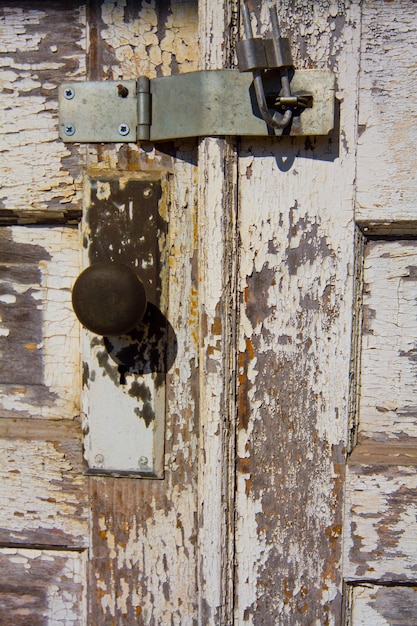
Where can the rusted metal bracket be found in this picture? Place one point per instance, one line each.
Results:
(204, 103)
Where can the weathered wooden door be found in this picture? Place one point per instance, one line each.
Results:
(287, 277)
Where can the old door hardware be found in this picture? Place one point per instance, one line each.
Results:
(196, 104)
(264, 97)
(109, 298)
(261, 55)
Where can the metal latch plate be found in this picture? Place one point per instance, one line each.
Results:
(95, 111)
(204, 103)
(221, 102)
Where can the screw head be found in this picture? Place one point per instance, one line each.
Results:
(123, 129)
(69, 129)
(69, 93)
(99, 459)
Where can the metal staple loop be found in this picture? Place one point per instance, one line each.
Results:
(272, 120)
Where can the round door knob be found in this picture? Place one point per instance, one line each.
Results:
(109, 298)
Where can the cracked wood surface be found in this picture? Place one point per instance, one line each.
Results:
(380, 558)
(260, 271)
(386, 167)
(42, 587)
(143, 567)
(295, 284)
(387, 407)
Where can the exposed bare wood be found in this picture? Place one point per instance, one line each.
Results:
(39, 363)
(40, 46)
(385, 453)
(380, 524)
(41, 587)
(381, 606)
(386, 178)
(44, 494)
(143, 562)
(388, 408)
(296, 265)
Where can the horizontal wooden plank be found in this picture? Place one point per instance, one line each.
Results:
(388, 405)
(374, 605)
(43, 492)
(41, 587)
(386, 155)
(384, 453)
(380, 526)
(45, 44)
(24, 217)
(39, 333)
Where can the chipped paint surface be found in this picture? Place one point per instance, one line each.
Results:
(383, 606)
(295, 284)
(381, 529)
(144, 533)
(43, 490)
(39, 372)
(39, 47)
(380, 517)
(258, 264)
(388, 398)
(158, 39)
(386, 156)
(42, 587)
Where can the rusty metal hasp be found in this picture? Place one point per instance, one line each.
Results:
(264, 97)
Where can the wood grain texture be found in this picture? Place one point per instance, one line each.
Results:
(374, 605)
(386, 171)
(295, 283)
(217, 266)
(40, 587)
(39, 362)
(380, 521)
(387, 408)
(40, 46)
(143, 567)
(44, 494)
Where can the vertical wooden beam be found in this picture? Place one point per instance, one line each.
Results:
(217, 305)
(296, 210)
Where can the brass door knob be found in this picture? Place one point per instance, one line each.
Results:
(109, 298)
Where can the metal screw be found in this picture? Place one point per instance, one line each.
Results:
(147, 192)
(99, 459)
(143, 461)
(69, 93)
(69, 129)
(123, 129)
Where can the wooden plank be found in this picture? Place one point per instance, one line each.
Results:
(44, 494)
(40, 46)
(39, 353)
(42, 587)
(143, 556)
(217, 266)
(380, 522)
(387, 162)
(143, 567)
(295, 281)
(387, 407)
(384, 453)
(374, 605)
